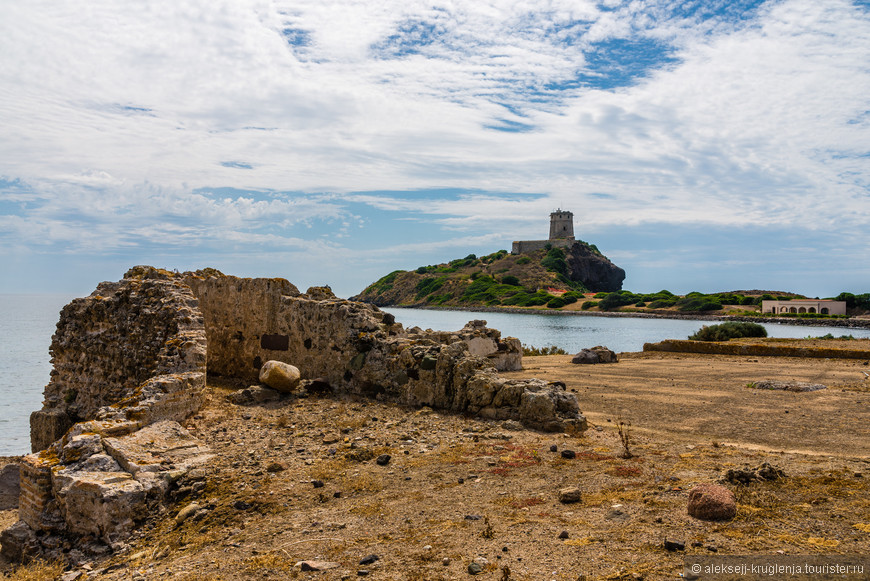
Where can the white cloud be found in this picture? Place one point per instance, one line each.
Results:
(118, 114)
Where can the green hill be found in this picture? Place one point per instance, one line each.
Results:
(501, 279)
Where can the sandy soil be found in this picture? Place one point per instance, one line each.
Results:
(684, 397)
(457, 488)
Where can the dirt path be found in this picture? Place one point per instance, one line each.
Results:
(690, 398)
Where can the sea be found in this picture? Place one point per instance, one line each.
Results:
(27, 322)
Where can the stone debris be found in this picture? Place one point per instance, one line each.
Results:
(10, 486)
(130, 363)
(317, 565)
(477, 565)
(570, 495)
(255, 394)
(280, 376)
(712, 502)
(795, 386)
(674, 545)
(597, 354)
(747, 475)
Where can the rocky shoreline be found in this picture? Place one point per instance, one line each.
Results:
(851, 323)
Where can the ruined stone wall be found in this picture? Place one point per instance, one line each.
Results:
(129, 363)
(243, 318)
(526, 246)
(109, 343)
(357, 348)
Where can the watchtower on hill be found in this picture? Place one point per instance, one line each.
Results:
(561, 234)
(561, 225)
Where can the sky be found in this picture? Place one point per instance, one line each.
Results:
(702, 145)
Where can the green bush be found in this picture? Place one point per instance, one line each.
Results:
(661, 304)
(588, 305)
(428, 286)
(698, 303)
(511, 280)
(555, 261)
(551, 350)
(556, 303)
(384, 283)
(615, 300)
(730, 330)
(523, 260)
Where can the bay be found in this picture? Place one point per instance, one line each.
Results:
(575, 332)
(28, 321)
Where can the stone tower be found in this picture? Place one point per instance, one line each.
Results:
(561, 225)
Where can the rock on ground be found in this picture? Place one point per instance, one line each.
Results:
(712, 502)
(280, 376)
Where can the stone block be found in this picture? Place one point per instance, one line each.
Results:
(280, 376)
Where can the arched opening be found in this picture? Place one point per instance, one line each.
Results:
(811, 310)
(802, 310)
(783, 309)
(792, 310)
(824, 310)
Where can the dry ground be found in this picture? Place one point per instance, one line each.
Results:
(692, 418)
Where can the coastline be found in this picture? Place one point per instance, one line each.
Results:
(850, 323)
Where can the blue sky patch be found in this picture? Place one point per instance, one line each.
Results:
(237, 165)
(509, 126)
(296, 37)
(410, 38)
(622, 62)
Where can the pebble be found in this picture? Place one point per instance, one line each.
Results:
(570, 495)
(563, 535)
(445, 561)
(317, 483)
(472, 517)
(383, 459)
(369, 559)
(569, 454)
(674, 546)
(186, 512)
(554, 448)
(477, 565)
(317, 565)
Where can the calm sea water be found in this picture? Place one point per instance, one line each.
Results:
(27, 323)
(575, 332)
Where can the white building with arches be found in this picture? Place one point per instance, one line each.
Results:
(798, 306)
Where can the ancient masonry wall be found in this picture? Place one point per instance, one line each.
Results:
(130, 363)
(109, 343)
(129, 360)
(526, 246)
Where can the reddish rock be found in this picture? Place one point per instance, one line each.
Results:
(712, 502)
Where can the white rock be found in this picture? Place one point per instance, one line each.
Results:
(280, 376)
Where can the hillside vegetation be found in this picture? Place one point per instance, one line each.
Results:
(552, 276)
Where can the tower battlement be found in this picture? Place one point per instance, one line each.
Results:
(561, 234)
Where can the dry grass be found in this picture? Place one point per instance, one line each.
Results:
(37, 571)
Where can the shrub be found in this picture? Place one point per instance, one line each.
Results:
(588, 305)
(661, 304)
(428, 286)
(551, 350)
(523, 260)
(556, 303)
(555, 261)
(730, 330)
(615, 300)
(696, 302)
(511, 280)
